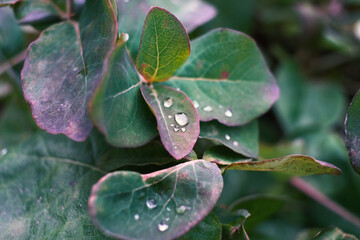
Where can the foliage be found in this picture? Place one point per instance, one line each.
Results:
(141, 131)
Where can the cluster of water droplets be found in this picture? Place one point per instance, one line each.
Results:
(151, 203)
(181, 119)
(228, 113)
(235, 143)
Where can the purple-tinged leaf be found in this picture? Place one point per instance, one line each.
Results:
(352, 132)
(161, 205)
(61, 71)
(177, 119)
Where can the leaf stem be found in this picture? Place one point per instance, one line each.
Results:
(315, 194)
(13, 61)
(68, 9)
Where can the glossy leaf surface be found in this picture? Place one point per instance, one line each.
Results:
(243, 139)
(352, 132)
(159, 205)
(164, 46)
(60, 74)
(177, 118)
(226, 78)
(191, 13)
(46, 182)
(118, 109)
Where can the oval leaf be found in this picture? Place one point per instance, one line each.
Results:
(164, 46)
(243, 139)
(352, 132)
(118, 109)
(177, 118)
(45, 186)
(160, 205)
(61, 72)
(227, 78)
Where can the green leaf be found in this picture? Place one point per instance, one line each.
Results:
(236, 230)
(45, 185)
(118, 109)
(191, 13)
(160, 205)
(333, 234)
(152, 153)
(352, 132)
(226, 78)
(177, 118)
(164, 46)
(223, 156)
(293, 164)
(305, 106)
(61, 72)
(207, 229)
(261, 207)
(243, 139)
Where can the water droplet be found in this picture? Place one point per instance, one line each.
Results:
(176, 129)
(227, 137)
(235, 143)
(136, 216)
(168, 102)
(151, 203)
(168, 209)
(182, 209)
(172, 124)
(75, 69)
(163, 227)
(4, 151)
(228, 113)
(169, 116)
(167, 219)
(196, 104)
(175, 147)
(178, 88)
(183, 129)
(208, 109)
(181, 119)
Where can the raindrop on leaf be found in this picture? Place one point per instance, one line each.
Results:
(228, 113)
(151, 203)
(168, 102)
(181, 119)
(208, 109)
(163, 227)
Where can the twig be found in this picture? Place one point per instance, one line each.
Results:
(13, 61)
(324, 200)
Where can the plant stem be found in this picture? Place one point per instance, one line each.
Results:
(315, 194)
(13, 61)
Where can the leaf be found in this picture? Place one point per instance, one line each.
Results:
(226, 78)
(164, 46)
(261, 207)
(352, 132)
(236, 230)
(305, 106)
(46, 182)
(152, 153)
(333, 234)
(177, 118)
(61, 73)
(243, 139)
(208, 229)
(160, 205)
(293, 164)
(223, 156)
(118, 109)
(8, 2)
(191, 13)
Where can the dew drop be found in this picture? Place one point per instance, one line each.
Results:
(196, 104)
(228, 113)
(75, 69)
(151, 203)
(183, 129)
(136, 216)
(168, 102)
(175, 147)
(227, 137)
(235, 143)
(208, 109)
(182, 209)
(168, 209)
(172, 124)
(169, 116)
(176, 129)
(163, 227)
(167, 219)
(4, 151)
(181, 119)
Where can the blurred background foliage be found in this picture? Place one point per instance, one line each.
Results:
(312, 47)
